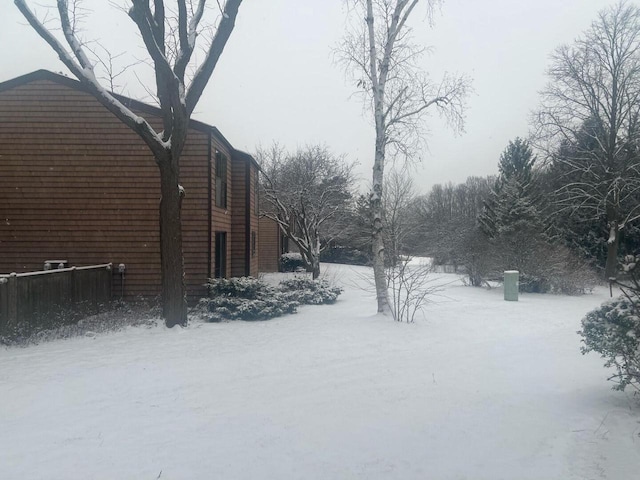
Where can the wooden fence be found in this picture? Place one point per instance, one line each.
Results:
(38, 300)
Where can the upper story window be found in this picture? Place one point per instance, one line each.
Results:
(221, 180)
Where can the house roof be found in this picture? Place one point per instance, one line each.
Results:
(128, 102)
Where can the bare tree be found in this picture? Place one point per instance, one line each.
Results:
(588, 122)
(177, 96)
(307, 195)
(379, 53)
(398, 196)
(412, 285)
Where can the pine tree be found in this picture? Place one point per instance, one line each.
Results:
(512, 217)
(512, 205)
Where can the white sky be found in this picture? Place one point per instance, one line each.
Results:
(277, 79)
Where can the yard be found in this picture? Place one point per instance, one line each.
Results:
(478, 389)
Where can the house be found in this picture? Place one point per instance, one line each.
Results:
(78, 185)
(272, 244)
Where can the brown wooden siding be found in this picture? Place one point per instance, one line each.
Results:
(221, 217)
(238, 220)
(195, 217)
(76, 184)
(254, 222)
(244, 220)
(269, 246)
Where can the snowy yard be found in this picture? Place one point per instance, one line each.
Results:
(479, 389)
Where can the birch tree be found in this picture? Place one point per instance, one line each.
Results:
(169, 31)
(588, 123)
(379, 54)
(307, 194)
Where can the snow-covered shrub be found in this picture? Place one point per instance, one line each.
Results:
(291, 262)
(310, 292)
(613, 330)
(572, 275)
(262, 308)
(547, 267)
(244, 287)
(246, 298)
(544, 266)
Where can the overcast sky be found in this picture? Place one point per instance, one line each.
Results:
(277, 79)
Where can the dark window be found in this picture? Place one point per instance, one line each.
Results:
(221, 180)
(220, 270)
(253, 244)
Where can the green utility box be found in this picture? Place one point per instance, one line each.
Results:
(511, 285)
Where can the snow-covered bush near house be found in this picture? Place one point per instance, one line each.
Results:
(246, 298)
(291, 262)
(481, 389)
(243, 287)
(613, 330)
(307, 291)
(249, 298)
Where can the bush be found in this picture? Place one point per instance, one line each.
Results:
(243, 287)
(248, 298)
(291, 262)
(245, 298)
(309, 292)
(613, 330)
(235, 308)
(544, 267)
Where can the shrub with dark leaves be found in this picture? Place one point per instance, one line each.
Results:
(246, 298)
(310, 292)
(613, 329)
(242, 287)
(291, 262)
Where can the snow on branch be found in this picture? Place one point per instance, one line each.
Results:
(79, 64)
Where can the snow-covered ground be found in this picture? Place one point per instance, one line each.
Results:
(479, 389)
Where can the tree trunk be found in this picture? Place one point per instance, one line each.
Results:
(382, 291)
(315, 268)
(312, 264)
(174, 304)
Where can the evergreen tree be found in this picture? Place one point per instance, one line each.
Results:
(512, 217)
(517, 161)
(512, 205)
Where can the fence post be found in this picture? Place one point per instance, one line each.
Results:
(12, 299)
